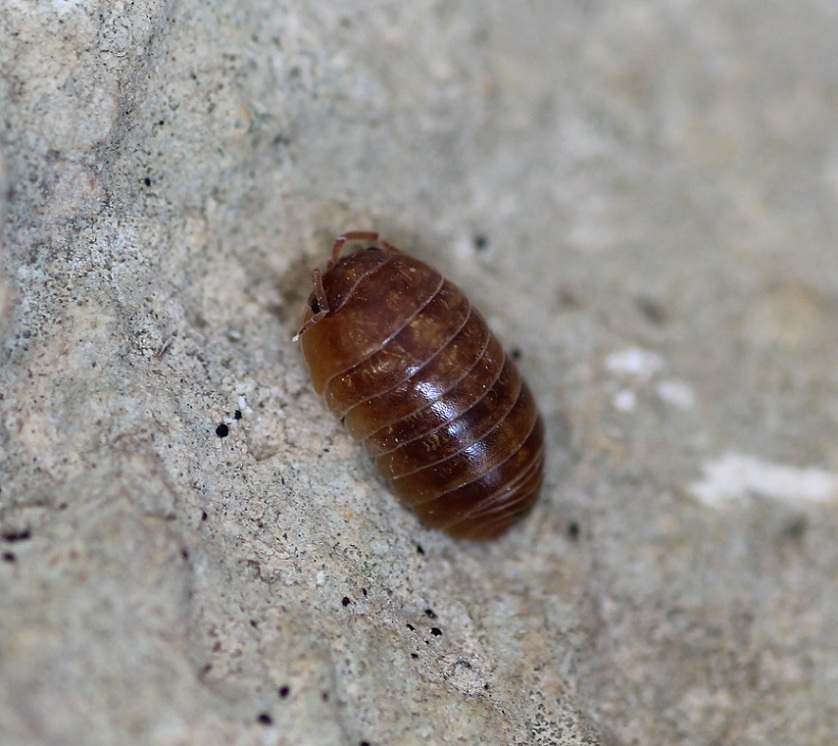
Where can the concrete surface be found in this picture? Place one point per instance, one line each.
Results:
(643, 198)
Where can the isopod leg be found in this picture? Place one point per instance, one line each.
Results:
(350, 236)
(322, 303)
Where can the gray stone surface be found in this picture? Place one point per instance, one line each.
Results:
(657, 187)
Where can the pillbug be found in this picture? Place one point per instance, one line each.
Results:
(411, 368)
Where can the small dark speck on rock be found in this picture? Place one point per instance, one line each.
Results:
(515, 353)
(419, 549)
(573, 530)
(284, 691)
(480, 242)
(237, 415)
(9, 557)
(204, 515)
(652, 310)
(222, 431)
(265, 719)
(568, 300)
(795, 531)
(436, 631)
(346, 601)
(430, 613)
(14, 536)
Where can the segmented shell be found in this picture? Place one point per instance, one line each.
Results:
(404, 359)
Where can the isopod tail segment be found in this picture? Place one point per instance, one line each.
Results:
(320, 299)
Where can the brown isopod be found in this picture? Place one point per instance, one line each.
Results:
(412, 369)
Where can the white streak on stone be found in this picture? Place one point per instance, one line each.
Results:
(734, 477)
(625, 400)
(677, 393)
(634, 361)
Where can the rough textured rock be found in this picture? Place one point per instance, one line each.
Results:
(641, 197)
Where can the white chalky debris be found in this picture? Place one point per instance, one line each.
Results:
(677, 393)
(625, 400)
(634, 361)
(733, 477)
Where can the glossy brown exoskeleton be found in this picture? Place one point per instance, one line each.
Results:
(410, 366)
